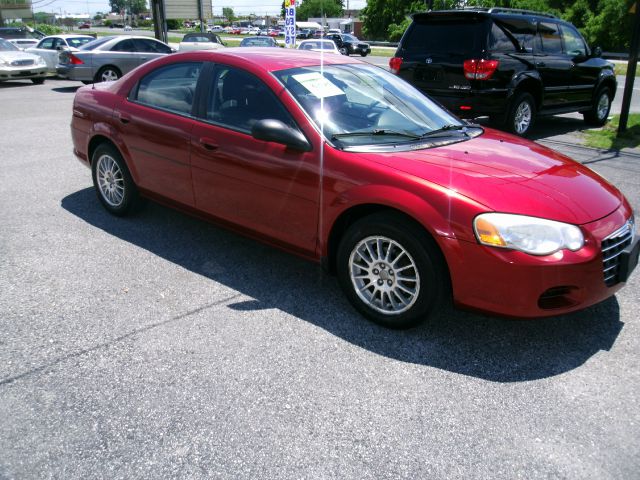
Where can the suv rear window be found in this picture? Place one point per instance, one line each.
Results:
(455, 36)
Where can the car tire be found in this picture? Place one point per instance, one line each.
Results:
(37, 81)
(521, 115)
(363, 54)
(599, 112)
(111, 179)
(343, 51)
(371, 255)
(107, 74)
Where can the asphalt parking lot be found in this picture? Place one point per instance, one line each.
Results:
(160, 346)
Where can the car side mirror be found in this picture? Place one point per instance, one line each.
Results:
(272, 130)
(597, 52)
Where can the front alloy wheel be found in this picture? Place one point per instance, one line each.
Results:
(599, 112)
(384, 275)
(390, 270)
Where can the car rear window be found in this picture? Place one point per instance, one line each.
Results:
(95, 44)
(446, 36)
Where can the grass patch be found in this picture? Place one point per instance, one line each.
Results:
(621, 69)
(383, 52)
(607, 137)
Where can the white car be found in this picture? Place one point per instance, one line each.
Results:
(50, 47)
(200, 41)
(215, 29)
(18, 65)
(23, 43)
(318, 45)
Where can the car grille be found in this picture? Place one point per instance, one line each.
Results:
(21, 63)
(612, 247)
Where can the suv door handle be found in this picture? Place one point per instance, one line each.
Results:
(541, 64)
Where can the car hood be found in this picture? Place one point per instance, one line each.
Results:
(13, 56)
(512, 175)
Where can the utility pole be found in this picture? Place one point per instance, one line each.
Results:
(631, 70)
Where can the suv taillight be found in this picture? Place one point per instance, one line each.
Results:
(394, 64)
(479, 69)
(73, 60)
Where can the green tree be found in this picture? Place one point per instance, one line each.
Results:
(133, 6)
(227, 12)
(318, 8)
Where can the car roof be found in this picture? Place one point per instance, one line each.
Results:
(68, 35)
(272, 59)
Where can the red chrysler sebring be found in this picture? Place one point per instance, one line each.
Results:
(345, 164)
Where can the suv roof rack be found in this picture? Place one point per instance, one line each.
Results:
(516, 11)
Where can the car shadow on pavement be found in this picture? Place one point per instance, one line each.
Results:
(467, 343)
(66, 89)
(546, 127)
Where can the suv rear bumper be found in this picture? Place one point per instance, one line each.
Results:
(472, 103)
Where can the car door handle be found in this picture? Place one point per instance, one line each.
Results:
(208, 143)
(541, 64)
(123, 117)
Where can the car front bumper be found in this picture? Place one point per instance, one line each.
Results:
(22, 73)
(514, 284)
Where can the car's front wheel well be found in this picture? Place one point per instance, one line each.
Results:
(354, 214)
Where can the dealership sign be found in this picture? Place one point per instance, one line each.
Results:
(190, 9)
(290, 23)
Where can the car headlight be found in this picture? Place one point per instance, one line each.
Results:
(532, 235)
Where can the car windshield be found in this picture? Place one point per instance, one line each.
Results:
(77, 42)
(6, 46)
(349, 38)
(364, 105)
(257, 42)
(96, 43)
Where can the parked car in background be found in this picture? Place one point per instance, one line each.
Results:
(108, 58)
(16, 64)
(259, 42)
(304, 33)
(235, 31)
(350, 45)
(345, 164)
(116, 25)
(215, 29)
(84, 26)
(50, 47)
(23, 43)
(511, 65)
(200, 41)
(319, 45)
(20, 32)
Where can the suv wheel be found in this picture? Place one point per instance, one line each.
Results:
(521, 114)
(390, 271)
(343, 51)
(599, 112)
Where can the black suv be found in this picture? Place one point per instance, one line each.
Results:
(509, 64)
(348, 44)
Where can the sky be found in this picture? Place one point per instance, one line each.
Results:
(240, 7)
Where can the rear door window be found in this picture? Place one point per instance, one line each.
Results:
(170, 88)
(550, 40)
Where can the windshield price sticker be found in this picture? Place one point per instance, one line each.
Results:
(318, 85)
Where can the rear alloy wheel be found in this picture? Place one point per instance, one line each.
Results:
(521, 114)
(599, 112)
(108, 74)
(390, 271)
(343, 51)
(112, 180)
(363, 54)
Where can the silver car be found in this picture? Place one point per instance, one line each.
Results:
(18, 65)
(109, 58)
(50, 47)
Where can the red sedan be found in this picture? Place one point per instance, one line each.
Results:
(347, 165)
